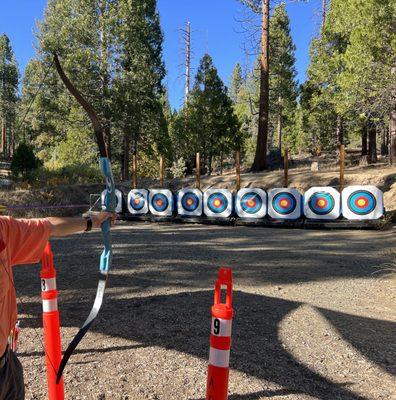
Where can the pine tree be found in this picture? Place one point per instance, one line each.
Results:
(207, 123)
(236, 83)
(283, 88)
(8, 95)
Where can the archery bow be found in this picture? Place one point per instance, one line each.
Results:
(107, 254)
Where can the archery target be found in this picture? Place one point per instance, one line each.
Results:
(251, 203)
(119, 200)
(161, 202)
(362, 202)
(284, 203)
(138, 201)
(189, 202)
(322, 203)
(218, 203)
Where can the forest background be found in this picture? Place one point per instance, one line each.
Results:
(113, 52)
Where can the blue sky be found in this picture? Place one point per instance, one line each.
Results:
(215, 28)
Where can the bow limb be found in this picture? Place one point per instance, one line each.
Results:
(107, 254)
(98, 128)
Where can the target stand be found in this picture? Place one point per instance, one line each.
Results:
(189, 205)
(120, 207)
(161, 205)
(322, 203)
(218, 205)
(362, 203)
(285, 207)
(251, 204)
(138, 205)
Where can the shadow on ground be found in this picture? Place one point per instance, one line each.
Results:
(186, 259)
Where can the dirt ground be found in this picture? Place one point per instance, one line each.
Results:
(315, 315)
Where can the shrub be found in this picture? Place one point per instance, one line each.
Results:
(24, 162)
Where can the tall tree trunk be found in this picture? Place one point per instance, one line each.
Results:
(280, 124)
(384, 146)
(126, 157)
(364, 140)
(372, 143)
(392, 137)
(4, 137)
(260, 158)
(339, 131)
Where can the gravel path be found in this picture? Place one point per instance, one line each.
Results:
(315, 314)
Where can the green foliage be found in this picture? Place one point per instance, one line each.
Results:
(112, 52)
(350, 74)
(283, 88)
(8, 90)
(207, 123)
(24, 162)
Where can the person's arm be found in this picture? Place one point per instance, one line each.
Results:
(67, 226)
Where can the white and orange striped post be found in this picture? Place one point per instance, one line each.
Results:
(52, 338)
(220, 339)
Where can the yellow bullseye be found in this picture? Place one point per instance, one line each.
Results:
(190, 202)
(284, 203)
(321, 203)
(361, 202)
(217, 203)
(251, 203)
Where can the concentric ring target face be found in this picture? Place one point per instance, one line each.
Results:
(190, 201)
(362, 202)
(137, 201)
(284, 203)
(251, 203)
(321, 203)
(159, 202)
(217, 203)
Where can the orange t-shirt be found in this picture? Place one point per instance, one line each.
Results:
(22, 241)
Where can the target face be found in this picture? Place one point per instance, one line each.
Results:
(118, 200)
(362, 202)
(251, 203)
(284, 203)
(189, 202)
(218, 203)
(138, 201)
(161, 202)
(322, 203)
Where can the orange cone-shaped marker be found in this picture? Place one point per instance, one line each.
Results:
(220, 339)
(51, 324)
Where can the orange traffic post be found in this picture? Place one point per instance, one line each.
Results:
(220, 339)
(51, 324)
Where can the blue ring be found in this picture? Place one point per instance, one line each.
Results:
(217, 196)
(321, 211)
(248, 196)
(165, 202)
(188, 196)
(137, 196)
(372, 202)
(278, 198)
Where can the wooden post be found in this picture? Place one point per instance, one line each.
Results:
(134, 171)
(162, 170)
(238, 169)
(342, 167)
(198, 171)
(286, 168)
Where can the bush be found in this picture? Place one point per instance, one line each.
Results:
(24, 162)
